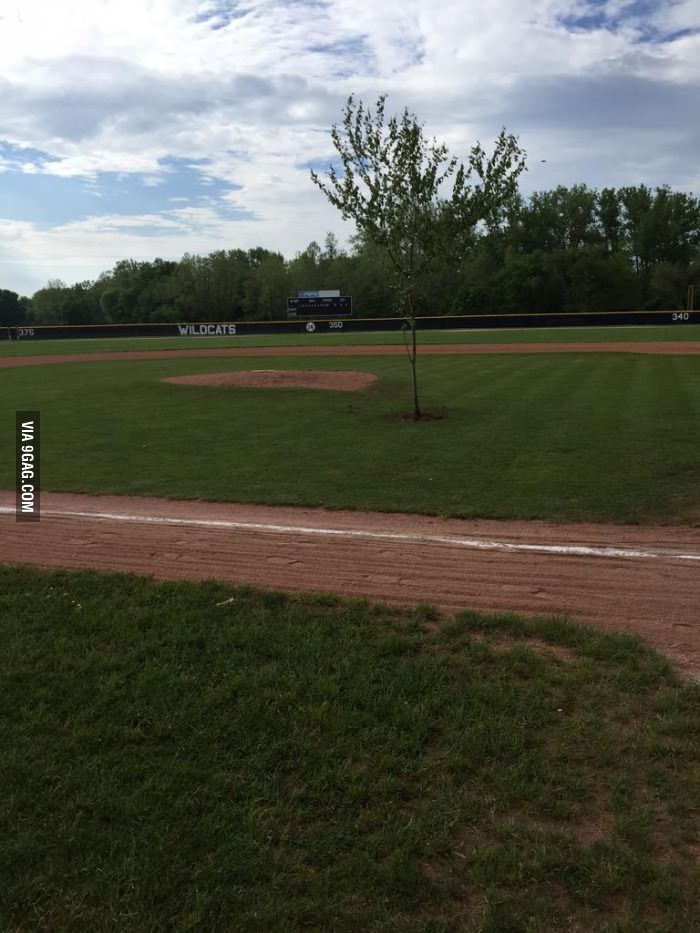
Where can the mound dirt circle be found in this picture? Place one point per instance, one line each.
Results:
(335, 380)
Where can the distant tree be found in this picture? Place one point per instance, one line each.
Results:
(668, 287)
(26, 310)
(599, 282)
(331, 249)
(636, 203)
(305, 268)
(531, 280)
(11, 311)
(610, 218)
(368, 278)
(673, 227)
(112, 305)
(81, 304)
(273, 288)
(390, 187)
(48, 302)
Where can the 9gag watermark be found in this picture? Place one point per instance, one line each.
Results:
(28, 461)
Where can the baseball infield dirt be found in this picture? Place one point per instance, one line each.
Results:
(672, 347)
(644, 580)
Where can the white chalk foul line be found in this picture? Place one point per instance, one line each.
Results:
(480, 544)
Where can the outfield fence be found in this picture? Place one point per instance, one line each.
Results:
(358, 325)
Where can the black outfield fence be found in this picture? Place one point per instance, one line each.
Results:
(361, 325)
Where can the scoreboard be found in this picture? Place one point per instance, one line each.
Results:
(317, 307)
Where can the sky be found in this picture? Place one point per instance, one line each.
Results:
(151, 128)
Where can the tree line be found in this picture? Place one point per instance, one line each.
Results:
(568, 249)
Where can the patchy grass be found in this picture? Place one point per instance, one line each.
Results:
(195, 757)
(566, 437)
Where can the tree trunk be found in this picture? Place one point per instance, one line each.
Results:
(416, 404)
(413, 356)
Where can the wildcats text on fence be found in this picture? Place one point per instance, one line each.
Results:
(207, 330)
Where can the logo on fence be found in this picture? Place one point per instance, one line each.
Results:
(310, 327)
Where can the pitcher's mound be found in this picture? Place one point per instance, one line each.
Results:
(281, 379)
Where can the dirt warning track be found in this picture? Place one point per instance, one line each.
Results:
(644, 580)
(669, 347)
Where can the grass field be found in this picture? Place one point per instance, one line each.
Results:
(194, 757)
(515, 335)
(565, 437)
(182, 757)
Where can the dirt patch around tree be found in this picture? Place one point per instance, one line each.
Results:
(333, 380)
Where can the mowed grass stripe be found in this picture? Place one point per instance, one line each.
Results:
(524, 385)
(197, 757)
(596, 436)
(539, 462)
(687, 390)
(680, 474)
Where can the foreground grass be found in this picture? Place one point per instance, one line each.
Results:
(510, 335)
(196, 757)
(604, 437)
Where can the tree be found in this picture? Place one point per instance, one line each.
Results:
(331, 250)
(390, 187)
(610, 218)
(48, 302)
(11, 311)
(637, 203)
(81, 304)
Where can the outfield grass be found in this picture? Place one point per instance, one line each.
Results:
(511, 335)
(195, 757)
(561, 437)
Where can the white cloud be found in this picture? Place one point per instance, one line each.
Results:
(253, 86)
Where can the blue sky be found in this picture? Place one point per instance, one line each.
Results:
(143, 130)
(47, 200)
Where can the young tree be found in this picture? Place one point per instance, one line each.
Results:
(390, 187)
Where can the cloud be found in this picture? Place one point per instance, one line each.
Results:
(138, 104)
